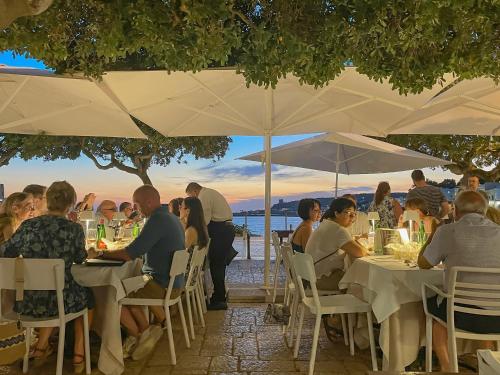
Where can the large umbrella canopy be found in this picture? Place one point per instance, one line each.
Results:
(34, 101)
(468, 107)
(348, 154)
(218, 102)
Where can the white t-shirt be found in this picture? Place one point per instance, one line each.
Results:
(326, 240)
(361, 225)
(473, 241)
(215, 206)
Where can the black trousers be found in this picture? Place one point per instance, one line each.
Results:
(221, 241)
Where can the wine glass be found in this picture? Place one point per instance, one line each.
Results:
(91, 238)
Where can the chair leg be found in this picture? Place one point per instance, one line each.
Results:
(184, 326)
(193, 304)
(60, 349)
(312, 360)
(170, 335)
(28, 345)
(299, 331)
(452, 350)
(86, 342)
(189, 313)
(372, 341)
(276, 273)
(198, 304)
(293, 316)
(428, 344)
(350, 323)
(344, 329)
(201, 285)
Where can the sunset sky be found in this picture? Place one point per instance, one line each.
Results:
(242, 182)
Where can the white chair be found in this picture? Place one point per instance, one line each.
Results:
(483, 300)
(42, 275)
(327, 305)
(293, 297)
(201, 281)
(177, 268)
(192, 289)
(488, 362)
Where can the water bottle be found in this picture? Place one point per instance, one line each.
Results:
(135, 230)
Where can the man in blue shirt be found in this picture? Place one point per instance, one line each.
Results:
(161, 236)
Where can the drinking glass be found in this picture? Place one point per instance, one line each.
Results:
(91, 238)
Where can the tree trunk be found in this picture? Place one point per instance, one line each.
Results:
(145, 178)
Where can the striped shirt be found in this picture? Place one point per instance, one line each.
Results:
(431, 195)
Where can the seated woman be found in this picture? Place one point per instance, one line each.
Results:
(174, 206)
(329, 244)
(14, 210)
(53, 236)
(418, 204)
(309, 211)
(191, 214)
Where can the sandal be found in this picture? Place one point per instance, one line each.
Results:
(78, 367)
(41, 359)
(332, 333)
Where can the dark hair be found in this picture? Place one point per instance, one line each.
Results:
(124, 205)
(349, 196)
(382, 189)
(192, 186)
(60, 196)
(176, 205)
(417, 203)
(196, 219)
(305, 206)
(337, 206)
(417, 175)
(37, 191)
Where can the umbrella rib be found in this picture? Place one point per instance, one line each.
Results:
(193, 117)
(489, 108)
(222, 100)
(310, 100)
(42, 117)
(218, 117)
(14, 94)
(378, 98)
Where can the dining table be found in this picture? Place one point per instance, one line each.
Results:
(393, 288)
(107, 287)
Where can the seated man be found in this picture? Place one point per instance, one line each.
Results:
(160, 237)
(104, 215)
(472, 241)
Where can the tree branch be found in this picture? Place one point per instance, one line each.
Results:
(96, 162)
(244, 18)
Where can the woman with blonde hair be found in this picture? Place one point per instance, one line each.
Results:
(388, 208)
(13, 211)
(53, 236)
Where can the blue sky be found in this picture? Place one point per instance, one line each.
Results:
(242, 182)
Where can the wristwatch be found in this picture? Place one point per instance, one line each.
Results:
(100, 253)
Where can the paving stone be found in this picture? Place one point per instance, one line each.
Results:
(224, 364)
(245, 347)
(269, 366)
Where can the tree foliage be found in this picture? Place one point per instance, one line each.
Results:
(413, 43)
(134, 156)
(477, 155)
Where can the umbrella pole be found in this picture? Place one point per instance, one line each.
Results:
(337, 167)
(267, 220)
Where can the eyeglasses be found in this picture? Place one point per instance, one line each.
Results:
(114, 209)
(351, 214)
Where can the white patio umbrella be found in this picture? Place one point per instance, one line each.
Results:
(345, 153)
(33, 101)
(469, 107)
(218, 102)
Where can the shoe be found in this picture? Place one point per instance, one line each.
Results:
(78, 367)
(147, 342)
(213, 306)
(40, 360)
(129, 346)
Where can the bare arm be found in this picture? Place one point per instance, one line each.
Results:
(355, 249)
(445, 208)
(120, 254)
(191, 237)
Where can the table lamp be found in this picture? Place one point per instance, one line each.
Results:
(87, 217)
(372, 217)
(410, 216)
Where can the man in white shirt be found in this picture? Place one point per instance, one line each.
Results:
(472, 241)
(218, 216)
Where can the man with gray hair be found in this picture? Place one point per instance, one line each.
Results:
(472, 241)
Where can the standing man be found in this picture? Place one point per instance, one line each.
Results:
(473, 183)
(436, 202)
(218, 216)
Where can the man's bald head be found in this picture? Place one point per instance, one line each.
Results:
(468, 202)
(147, 199)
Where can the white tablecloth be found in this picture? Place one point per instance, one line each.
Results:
(394, 290)
(108, 290)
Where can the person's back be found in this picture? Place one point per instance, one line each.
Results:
(432, 195)
(162, 235)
